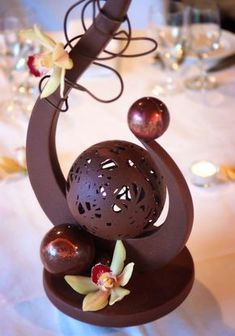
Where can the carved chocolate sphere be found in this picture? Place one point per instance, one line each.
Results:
(148, 118)
(114, 191)
(66, 249)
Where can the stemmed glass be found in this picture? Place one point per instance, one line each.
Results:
(167, 23)
(204, 36)
(13, 59)
(10, 27)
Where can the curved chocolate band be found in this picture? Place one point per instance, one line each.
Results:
(164, 244)
(44, 170)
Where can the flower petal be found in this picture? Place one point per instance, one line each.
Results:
(61, 57)
(62, 76)
(126, 274)
(53, 83)
(21, 156)
(119, 256)
(117, 294)
(95, 301)
(44, 39)
(46, 59)
(35, 34)
(81, 284)
(27, 34)
(9, 165)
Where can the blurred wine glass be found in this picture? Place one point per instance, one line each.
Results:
(167, 25)
(10, 26)
(14, 56)
(204, 36)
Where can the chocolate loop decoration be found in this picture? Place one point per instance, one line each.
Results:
(113, 35)
(82, 88)
(164, 247)
(61, 102)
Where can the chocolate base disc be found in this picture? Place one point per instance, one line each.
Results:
(153, 295)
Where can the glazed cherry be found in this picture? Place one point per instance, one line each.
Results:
(67, 250)
(148, 118)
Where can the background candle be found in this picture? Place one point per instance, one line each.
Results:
(203, 173)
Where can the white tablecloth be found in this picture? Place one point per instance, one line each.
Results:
(202, 127)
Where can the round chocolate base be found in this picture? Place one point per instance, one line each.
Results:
(153, 295)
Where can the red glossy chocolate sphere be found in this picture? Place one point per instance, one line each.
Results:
(148, 118)
(66, 249)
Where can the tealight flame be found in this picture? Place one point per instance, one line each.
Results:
(203, 173)
(204, 169)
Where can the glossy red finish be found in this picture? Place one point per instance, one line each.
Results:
(148, 118)
(66, 249)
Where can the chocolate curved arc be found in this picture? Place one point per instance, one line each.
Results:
(161, 246)
(44, 170)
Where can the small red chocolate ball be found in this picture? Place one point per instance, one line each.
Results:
(148, 118)
(67, 249)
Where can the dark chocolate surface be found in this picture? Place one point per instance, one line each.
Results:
(115, 191)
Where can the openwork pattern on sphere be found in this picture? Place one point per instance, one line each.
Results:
(114, 192)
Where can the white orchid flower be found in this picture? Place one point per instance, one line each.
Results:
(106, 283)
(54, 58)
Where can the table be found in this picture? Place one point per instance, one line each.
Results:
(202, 127)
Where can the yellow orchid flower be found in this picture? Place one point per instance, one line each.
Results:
(54, 58)
(106, 283)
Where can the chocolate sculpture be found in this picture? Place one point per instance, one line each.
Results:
(96, 196)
